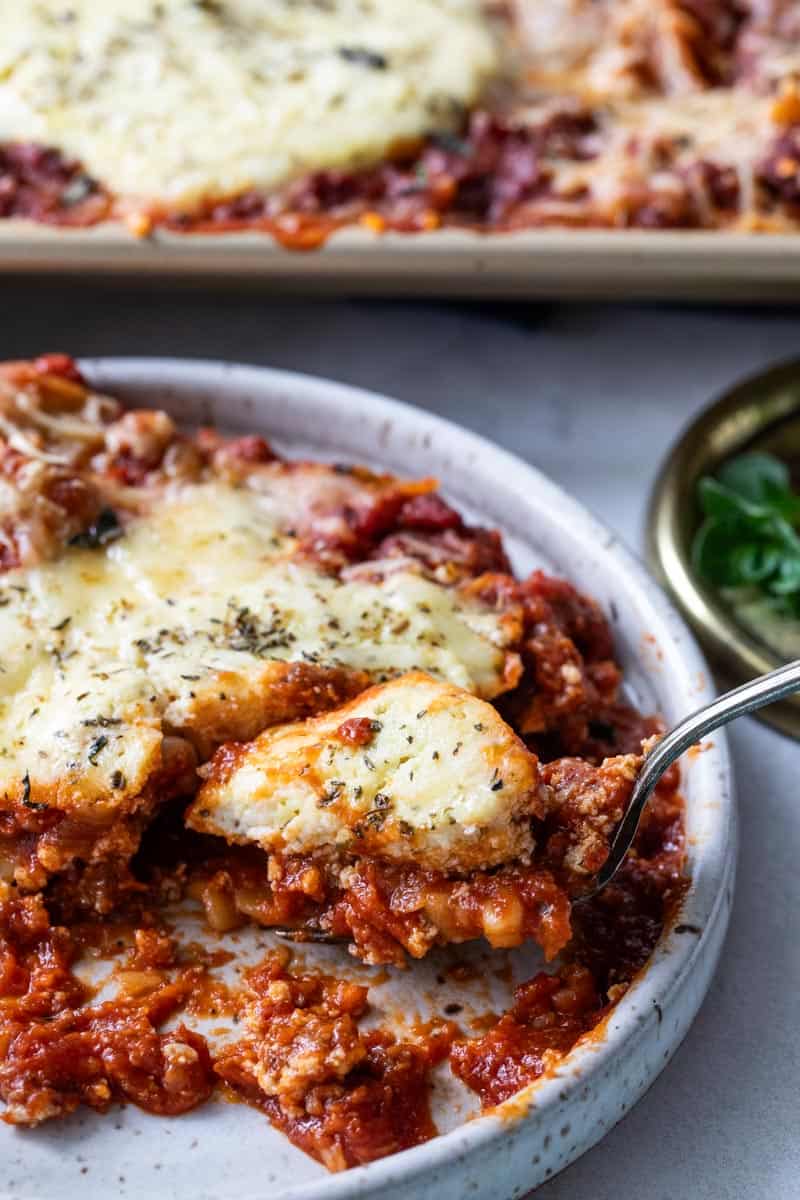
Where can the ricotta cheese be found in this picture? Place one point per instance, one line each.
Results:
(439, 780)
(181, 100)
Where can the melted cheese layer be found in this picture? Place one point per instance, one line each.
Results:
(440, 781)
(181, 100)
(189, 618)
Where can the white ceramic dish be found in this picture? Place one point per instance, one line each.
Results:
(230, 1151)
(689, 265)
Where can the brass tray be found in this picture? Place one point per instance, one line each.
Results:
(762, 413)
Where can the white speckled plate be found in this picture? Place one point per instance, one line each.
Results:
(229, 1150)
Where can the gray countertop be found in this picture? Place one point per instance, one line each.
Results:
(594, 396)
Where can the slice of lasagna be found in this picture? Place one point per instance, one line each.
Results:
(411, 816)
(164, 594)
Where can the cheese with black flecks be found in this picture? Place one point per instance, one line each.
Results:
(170, 625)
(181, 100)
(439, 780)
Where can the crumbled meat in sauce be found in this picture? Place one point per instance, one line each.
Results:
(613, 937)
(40, 184)
(57, 1053)
(546, 1019)
(342, 1095)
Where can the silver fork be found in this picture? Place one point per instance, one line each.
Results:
(758, 692)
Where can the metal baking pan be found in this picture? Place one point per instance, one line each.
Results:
(539, 263)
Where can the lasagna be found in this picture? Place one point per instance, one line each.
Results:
(163, 596)
(309, 697)
(409, 818)
(299, 118)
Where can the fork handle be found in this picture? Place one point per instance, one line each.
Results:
(758, 692)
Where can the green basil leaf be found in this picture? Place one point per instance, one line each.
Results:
(749, 536)
(719, 501)
(787, 579)
(754, 562)
(784, 533)
(711, 553)
(759, 478)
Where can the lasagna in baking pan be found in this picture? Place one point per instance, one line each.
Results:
(307, 697)
(298, 118)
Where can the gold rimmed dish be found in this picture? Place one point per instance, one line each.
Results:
(760, 414)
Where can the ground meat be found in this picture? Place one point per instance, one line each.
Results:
(547, 1017)
(342, 1095)
(710, 36)
(40, 184)
(585, 805)
(780, 170)
(388, 909)
(56, 1053)
(468, 552)
(98, 1055)
(614, 934)
(568, 658)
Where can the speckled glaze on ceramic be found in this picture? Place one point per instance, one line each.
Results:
(229, 1151)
